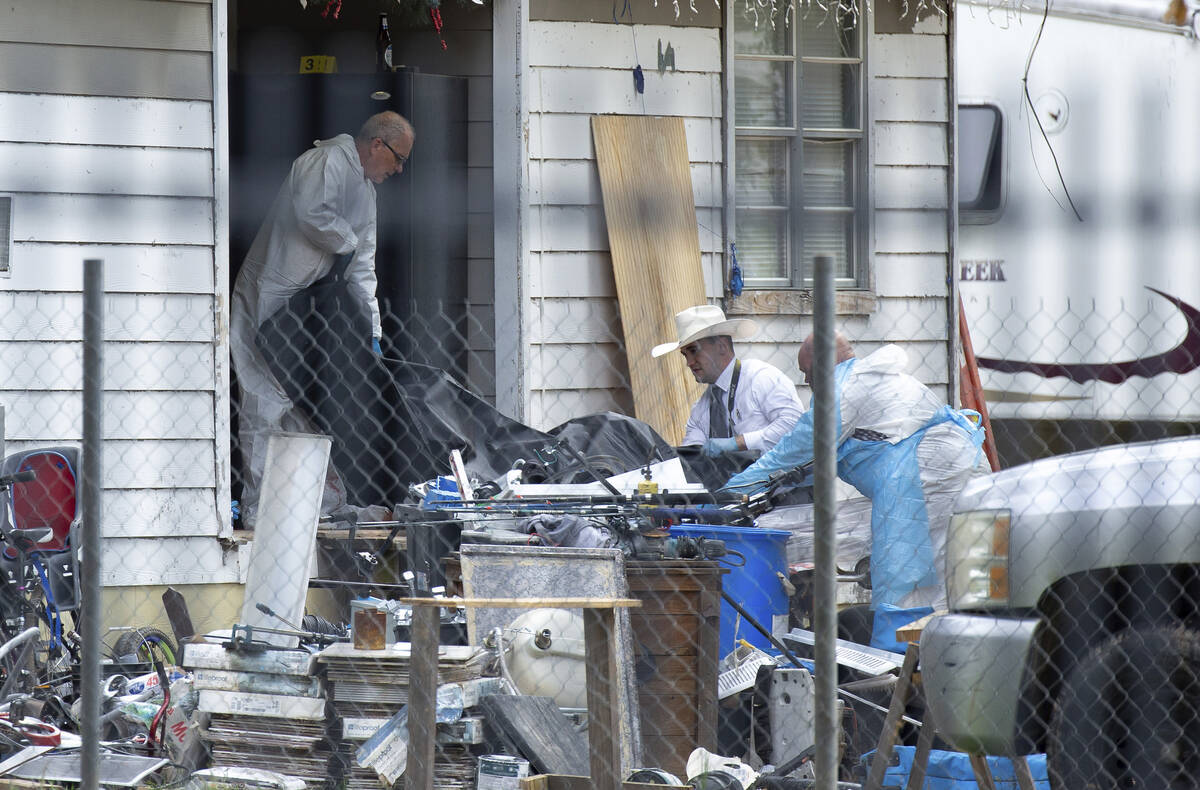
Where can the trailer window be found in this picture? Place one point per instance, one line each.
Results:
(980, 162)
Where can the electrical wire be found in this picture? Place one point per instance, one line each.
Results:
(1033, 113)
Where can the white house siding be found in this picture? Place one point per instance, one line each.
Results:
(575, 349)
(107, 149)
(908, 302)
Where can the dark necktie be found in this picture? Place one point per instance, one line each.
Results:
(718, 414)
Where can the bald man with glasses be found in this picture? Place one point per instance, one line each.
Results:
(324, 212)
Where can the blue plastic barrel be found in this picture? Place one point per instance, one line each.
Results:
(755, 585)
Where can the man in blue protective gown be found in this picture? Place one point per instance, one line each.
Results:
(905, 450)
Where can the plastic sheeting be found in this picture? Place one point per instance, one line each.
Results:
(394, 423)
(908, 454)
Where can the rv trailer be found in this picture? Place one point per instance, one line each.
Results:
(1079, 219)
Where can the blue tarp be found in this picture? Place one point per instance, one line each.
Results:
(952, 770)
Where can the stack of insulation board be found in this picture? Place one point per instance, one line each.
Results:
(369, 687)
(266, 710)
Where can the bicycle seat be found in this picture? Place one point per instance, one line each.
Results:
(30, 539)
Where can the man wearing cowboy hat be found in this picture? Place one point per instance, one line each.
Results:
(749, 405)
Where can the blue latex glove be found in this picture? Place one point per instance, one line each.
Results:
(375, 347)
(715, 447)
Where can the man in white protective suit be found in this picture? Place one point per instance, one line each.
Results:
(324, 211)
(905, 450)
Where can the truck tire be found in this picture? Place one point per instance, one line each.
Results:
(1128, 714)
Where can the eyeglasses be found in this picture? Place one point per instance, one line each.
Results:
(400, 160)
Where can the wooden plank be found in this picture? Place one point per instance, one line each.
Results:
(890, 731)
(667, 635)
(603, 699)
(668, 714)
(103, 120)
(126, 415)
(140, 317)
(422, 714)
(163, 367)
(144, 24)
(105, 170)
(88, 71)
(568, 136)
(112, 219)
(610, 91)
(592, 45)
(907, 99)
(911, 632)
(538, 731)
(651, 222)
(140, 268)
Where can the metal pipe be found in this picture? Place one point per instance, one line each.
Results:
(18, 640)
(824, 525)
(89, 571)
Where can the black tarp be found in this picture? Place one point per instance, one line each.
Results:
(394, 423)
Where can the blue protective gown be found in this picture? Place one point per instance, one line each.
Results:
(910, 455)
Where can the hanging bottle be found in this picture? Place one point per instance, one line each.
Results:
(383, 46)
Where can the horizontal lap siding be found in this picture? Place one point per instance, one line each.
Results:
(577, 359)
(106, 146)
(909, 106)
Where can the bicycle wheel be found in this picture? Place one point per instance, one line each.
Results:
(147, 644)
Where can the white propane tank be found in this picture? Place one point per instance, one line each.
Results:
(545, 656)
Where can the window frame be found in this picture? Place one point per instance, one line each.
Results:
(798, 275)
(997, 171)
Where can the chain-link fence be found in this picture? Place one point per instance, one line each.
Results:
(622, 607)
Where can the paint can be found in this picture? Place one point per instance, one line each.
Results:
(500, 772)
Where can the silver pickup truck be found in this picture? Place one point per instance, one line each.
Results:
(1074, 624)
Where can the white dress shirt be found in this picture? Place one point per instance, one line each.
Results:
(765, 406)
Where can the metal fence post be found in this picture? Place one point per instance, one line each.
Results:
(93, 385)
(825, 534)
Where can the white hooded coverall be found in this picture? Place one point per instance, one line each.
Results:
(325, 208)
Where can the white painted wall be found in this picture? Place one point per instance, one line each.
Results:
(108, 149)
(576, 358)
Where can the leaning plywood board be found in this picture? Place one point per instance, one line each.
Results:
(651, 217)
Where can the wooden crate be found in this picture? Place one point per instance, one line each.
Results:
(677, 630)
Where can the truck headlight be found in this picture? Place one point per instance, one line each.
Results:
(977, 559)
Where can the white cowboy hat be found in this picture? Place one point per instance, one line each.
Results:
(705, 320)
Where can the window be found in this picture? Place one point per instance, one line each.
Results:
(980, 163)
(800, 150)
